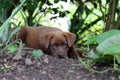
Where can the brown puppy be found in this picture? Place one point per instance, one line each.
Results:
(52, 41)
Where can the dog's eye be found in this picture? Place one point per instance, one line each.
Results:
(53, 45)
(64, 43)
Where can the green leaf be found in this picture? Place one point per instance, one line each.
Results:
(56, 1)
(13, 48)
(102, 37)
(92, 55)
(110, 46)
(1, 45)
(37, 54)
(113, 50)
(117, 58)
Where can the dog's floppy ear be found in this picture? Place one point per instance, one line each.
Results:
(45, 40)
(70, 37)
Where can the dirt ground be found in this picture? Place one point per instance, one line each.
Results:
(24, 67)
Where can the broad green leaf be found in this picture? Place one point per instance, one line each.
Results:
(102, 37)
(110, 46)
(37, 54)
(113, 50)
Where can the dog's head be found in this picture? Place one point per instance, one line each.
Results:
(58, 43)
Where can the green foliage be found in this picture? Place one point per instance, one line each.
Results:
(100, 38)
(37, 54)
(88, 63)
(4, 6)
(83, 15)
(5, 33)
(13, 48)
(108, 48)
(4, 29)
(92, 55)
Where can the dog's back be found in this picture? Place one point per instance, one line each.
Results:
(29, 35)
(44, 30)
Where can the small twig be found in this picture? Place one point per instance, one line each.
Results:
(20, 47)
(27, 48)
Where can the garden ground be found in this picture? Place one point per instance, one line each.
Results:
(24, 67)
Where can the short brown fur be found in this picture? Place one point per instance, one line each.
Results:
(52, 41)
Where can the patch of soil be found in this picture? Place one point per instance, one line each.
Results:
(24, 67)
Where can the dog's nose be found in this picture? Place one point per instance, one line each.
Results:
(60, 55)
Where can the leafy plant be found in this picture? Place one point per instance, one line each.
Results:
(13, 48)
(108, 48)
(101, 37)
(37, 54)
(5, 33)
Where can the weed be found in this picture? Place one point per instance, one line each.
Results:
(37, 54)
